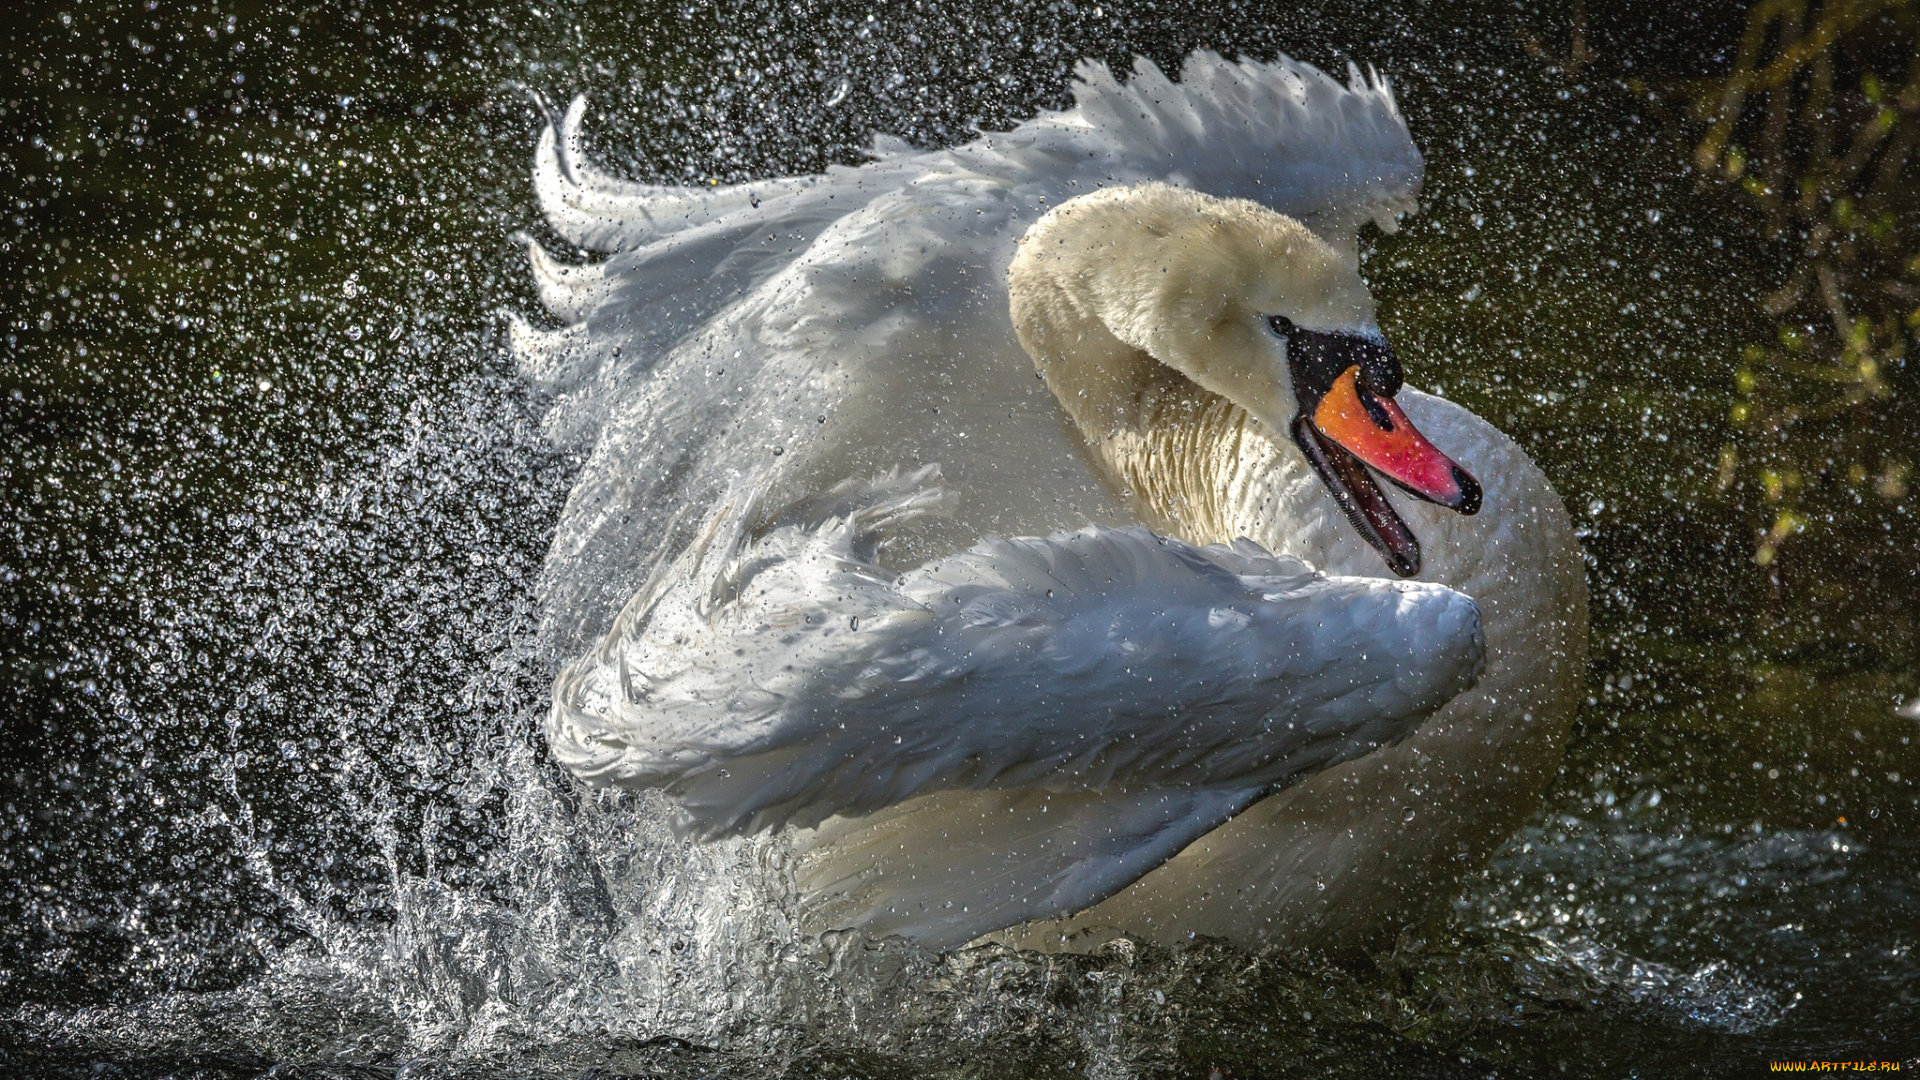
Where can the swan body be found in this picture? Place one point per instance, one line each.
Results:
(1030, 655)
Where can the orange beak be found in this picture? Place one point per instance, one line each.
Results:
(1373, 429)
(1349, 429)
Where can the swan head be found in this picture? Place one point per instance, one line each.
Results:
(1247, 303)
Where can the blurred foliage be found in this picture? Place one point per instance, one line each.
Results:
(1813, 132)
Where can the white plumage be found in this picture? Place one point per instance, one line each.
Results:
(766, 376)
(790, 679)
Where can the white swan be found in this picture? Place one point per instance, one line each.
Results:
(809, 416)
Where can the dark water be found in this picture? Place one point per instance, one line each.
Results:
(274, 500)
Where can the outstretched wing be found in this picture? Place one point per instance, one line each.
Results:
(789, 680)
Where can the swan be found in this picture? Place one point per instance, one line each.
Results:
(998, 527)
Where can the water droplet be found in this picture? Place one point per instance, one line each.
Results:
(1408, 816)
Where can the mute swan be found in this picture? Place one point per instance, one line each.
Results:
(1062, 607)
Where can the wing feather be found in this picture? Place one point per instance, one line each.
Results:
(598, 212)
(788, 679)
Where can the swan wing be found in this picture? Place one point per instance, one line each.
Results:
(599, 212)
(1282, 133)
(789, 679)
(884, 343)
